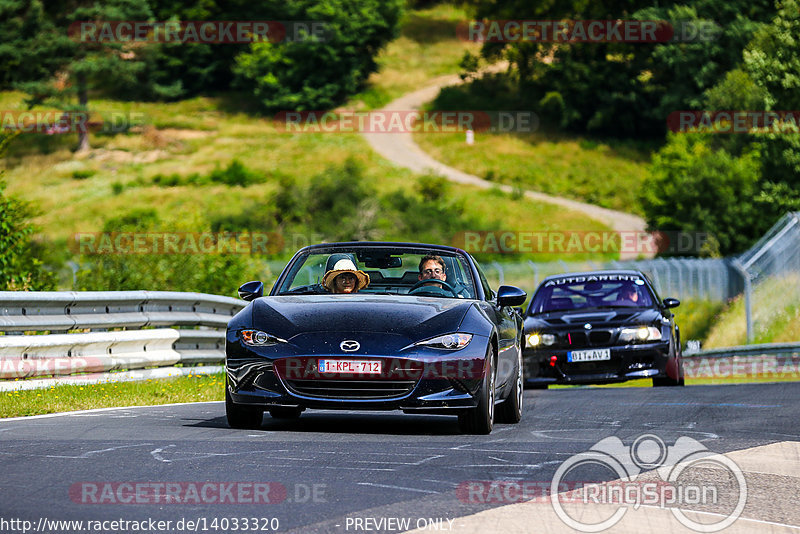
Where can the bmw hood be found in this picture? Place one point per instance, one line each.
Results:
(577, 318)
(412, 318)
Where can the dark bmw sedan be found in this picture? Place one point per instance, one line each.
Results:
(604, 326)
(377, 326)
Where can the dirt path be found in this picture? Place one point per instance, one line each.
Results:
(401, 149)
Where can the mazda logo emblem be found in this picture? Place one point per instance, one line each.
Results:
(349, 345)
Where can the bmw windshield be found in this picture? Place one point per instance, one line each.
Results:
(584, 292)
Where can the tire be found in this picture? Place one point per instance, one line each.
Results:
(480, 420)
(511, 410)
(242, 416)
(284, 412)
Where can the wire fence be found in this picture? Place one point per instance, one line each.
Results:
(768, 274)
(771, 274)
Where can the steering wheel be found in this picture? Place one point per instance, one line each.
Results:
(443, 283)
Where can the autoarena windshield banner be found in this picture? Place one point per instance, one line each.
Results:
(406, 121)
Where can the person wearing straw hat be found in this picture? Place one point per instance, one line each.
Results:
(345, 278)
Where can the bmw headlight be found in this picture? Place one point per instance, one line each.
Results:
(536, 339)
(447, 341)
(257, 338)
(639, 334)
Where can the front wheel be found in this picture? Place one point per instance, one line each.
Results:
(242, 416)
(511, 410)
(480, 419)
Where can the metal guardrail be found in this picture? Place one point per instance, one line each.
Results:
(61, 311)
(747, 350)
(769, 361)
(136, 350)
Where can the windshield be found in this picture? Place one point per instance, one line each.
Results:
(599, 291)
(417, 272)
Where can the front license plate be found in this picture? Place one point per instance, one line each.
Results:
(369, 367)
(595, 355)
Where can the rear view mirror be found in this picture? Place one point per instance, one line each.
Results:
(251, 290)
(510, 296)
(671, 303)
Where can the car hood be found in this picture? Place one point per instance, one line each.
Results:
(578, 318)
(412, 318)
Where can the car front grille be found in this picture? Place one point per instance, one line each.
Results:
(351, 389)
(581, 339)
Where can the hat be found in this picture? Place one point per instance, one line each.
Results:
(345, 266)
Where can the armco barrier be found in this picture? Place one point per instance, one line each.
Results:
(70, 310)
(98, 349)
(779, 361)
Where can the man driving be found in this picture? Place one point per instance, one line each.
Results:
(432, 267)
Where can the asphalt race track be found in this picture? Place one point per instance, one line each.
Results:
(363, 471)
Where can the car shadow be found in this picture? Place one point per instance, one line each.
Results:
(351, 423)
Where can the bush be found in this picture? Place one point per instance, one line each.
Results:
(693, 188)
(211, 273)
(320, 72)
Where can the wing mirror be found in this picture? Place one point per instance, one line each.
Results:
(671, 303)
(251, 290)
(510, 296)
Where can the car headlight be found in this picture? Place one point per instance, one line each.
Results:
(536, 339)
(257, 338)
(639, 334)
(447, 341)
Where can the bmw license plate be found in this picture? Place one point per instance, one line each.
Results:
(594, 355)
(369, 367)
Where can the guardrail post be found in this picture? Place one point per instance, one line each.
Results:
(748, 298)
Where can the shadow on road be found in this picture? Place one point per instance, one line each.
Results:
(351, 423)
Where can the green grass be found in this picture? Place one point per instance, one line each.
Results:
(65, 398)
(427, 48)
(608, 173)
(776, 316)
(696, 318)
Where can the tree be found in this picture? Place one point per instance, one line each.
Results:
(19, 267)
(74, 65)
(320, 71)
(694, 188)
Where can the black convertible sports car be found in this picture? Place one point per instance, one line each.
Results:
(406, 341)
(604, 326)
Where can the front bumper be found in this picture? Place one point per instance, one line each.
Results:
(626, 363)
(426, 381)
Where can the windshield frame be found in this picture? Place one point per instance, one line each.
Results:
(301, 256)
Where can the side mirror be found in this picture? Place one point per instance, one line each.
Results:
(671, 303)
(510, 296)
(251, 290)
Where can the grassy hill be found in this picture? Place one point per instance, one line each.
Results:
(155, 165)
(776, 316)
